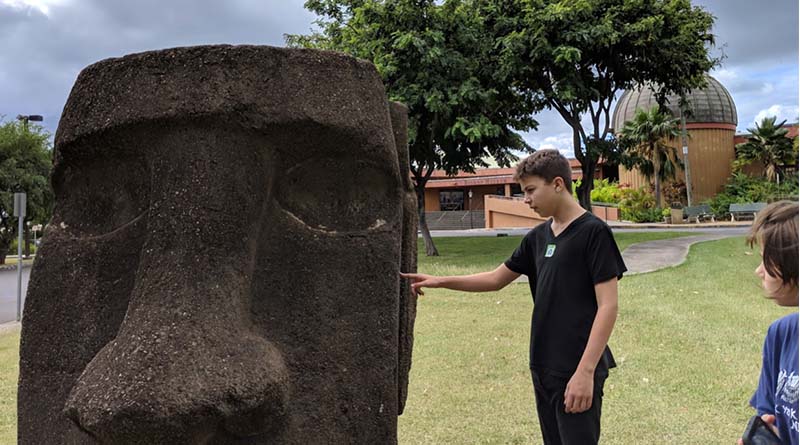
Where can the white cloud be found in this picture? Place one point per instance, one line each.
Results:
(782, 112)
(725, 75)
(42, 6)
(561, 142)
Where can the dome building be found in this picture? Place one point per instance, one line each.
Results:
(711, 125)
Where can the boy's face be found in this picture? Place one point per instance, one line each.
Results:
(784, 295)
(540, 195)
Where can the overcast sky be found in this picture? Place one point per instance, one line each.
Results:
(45, 44)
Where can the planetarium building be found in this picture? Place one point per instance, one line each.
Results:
(711, 125)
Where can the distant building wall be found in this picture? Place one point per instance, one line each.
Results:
(710, 155)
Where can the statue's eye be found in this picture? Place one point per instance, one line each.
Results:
(340, 195)
(100, 196)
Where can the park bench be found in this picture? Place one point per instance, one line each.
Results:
(698, 213)
(746, 209)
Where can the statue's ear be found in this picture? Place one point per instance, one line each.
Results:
(408, 253)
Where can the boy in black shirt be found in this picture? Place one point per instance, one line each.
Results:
(573, 265)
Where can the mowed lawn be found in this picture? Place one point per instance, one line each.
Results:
(687, 341)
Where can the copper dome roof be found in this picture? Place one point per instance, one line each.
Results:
(710, 104)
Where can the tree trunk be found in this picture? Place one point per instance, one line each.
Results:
(430, 248)
(587, 183)
(584, 192)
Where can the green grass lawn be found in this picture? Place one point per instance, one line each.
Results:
(9, 371)
(687, 342)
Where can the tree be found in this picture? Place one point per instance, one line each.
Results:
(768, 145)
(646, 134)
(25, 162)
(437, 58)
(576, 55)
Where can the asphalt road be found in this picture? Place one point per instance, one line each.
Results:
(8, 292)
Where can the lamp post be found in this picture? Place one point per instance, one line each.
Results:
(20, 204)
(25, 118)
(686, 169)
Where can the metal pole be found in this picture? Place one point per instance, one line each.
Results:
(686, 168)
(470, 210)
(20, 206)
(19, 270)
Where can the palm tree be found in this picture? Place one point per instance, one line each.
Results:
(646, 134)
(768, 145)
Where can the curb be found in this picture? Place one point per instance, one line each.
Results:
(680, 226)
(9, 326)
(4, 267)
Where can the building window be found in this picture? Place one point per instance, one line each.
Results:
(516, 190)
(451, 200)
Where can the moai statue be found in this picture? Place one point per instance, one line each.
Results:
(222, 263)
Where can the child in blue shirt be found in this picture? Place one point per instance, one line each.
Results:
(776, 398)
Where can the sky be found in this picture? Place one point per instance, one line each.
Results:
(46, 43)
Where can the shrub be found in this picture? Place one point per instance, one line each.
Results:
(674, 191)
(638, 205)
(605, 191)
(742, 188)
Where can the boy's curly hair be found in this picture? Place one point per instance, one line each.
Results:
(775, 229)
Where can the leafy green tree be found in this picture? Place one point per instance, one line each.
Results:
(768, 145)
(25, 162)
(437, 58)
(647, 134)
(576, 55)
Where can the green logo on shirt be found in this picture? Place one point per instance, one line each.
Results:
(551, 249)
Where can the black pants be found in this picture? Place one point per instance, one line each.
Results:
(559, 427)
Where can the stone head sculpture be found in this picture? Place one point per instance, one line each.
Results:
(222, 263)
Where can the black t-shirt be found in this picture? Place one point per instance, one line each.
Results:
(562, 272)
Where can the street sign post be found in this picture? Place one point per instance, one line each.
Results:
(20, 201)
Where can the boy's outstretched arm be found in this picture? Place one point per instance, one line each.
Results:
(479, 282)
(580, 389)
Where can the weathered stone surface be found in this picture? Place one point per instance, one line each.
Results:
(222, 264)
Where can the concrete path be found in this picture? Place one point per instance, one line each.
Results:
(650, 256)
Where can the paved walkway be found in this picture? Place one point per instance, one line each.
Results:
(650, 256)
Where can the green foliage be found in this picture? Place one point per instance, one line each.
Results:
(646, 135)
(440, 59)
(13, 247)
(639, 205)
(605, 191)
(25, 162)
(768, 145)
(576, 56)
(742, 188)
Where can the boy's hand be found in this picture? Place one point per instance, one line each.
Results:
(578, 396)
(420, 280)
(769, 419)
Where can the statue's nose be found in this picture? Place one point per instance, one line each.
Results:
(184, 366)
